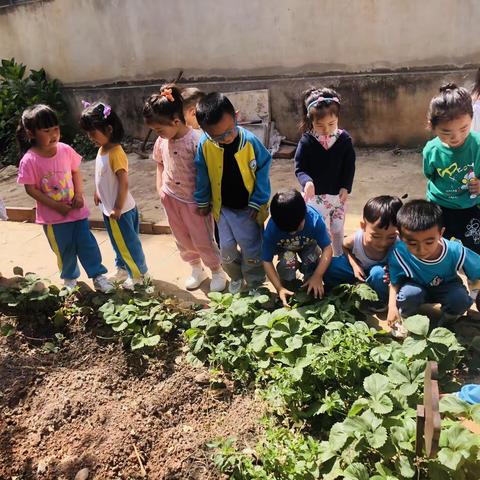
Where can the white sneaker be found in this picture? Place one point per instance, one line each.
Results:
(235, 286)
(196, 278)
(70, 283)
(102, 284)
(129, 283)
(218, 282)
(120, 275)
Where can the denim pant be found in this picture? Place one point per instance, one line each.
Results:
(452, 296)
(340, 271)
(288, 262)
(241, 246)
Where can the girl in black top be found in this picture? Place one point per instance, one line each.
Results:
(325, 160)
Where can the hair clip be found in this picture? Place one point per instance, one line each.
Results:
(107, 110)
(85, 104)
(167, 93)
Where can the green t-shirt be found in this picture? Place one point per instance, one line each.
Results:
(449, 170)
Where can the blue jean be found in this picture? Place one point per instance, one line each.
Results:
(241, 246)
(124, 235)
(288, 262)
(452, 296)
(340, 271)
(71, 241)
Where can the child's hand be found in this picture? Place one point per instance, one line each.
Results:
(474, 186)
(203, 211)
(116, 213)
(252, 213)
(358, 272)
(392, 316)
(315, 285)
(308, 191)
(343, 194)
(77, 201)
(96, 198)
(63, 209)
(283, 294)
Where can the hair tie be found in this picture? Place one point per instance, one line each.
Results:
(167, 93)
(326, 100)
(107, 109)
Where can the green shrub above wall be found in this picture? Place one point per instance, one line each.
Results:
(18, 91)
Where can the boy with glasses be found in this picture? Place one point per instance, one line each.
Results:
(233, 183)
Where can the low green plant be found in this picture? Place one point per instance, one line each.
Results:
(143, 322)
(18, 90)
(82, 145)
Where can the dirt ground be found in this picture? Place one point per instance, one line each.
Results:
(93, 405)
(379, 171)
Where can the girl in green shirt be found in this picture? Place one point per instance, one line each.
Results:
(451, 163)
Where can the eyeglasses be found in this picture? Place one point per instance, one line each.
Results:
(223, 136)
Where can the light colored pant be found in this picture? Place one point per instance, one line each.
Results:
(241, 246)
(193, 233)
(332, 211)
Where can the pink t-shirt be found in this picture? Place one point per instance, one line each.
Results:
(53, 176)
(177, 158)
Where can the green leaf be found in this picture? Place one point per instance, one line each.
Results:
(138, 341)
(358, 406)
(259, 337)
(443, 336)
(365, 292)
(382, 405)
(404, 466)
(337, 437)
(152, 340)
(376, 384)
(377, 438)
(356, 471)
(417, 324)
(412, 347)
(294, 343)
(7, 330)
(450, 458)
(119, 327)
(454, 405)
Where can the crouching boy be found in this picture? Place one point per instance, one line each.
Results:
(424, 267)
(298, 235)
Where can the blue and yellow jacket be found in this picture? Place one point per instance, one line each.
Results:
(254, 163)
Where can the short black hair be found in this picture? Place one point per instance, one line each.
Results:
(288, 209)
(34, 118)
(99, 116)
(419, 215)
(212, 107)
(383, 209)
(450, 103)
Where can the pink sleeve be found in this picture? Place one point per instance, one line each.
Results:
(157, 151)
(75, 158)
(26, 174)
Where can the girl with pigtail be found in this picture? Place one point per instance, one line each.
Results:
(325, 160)
(174, 152)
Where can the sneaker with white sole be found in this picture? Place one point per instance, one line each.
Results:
(218, 282)
(102, 284)
(120, 275)
(198, 276)
(235, 286)
(70, 283)
(129, 283)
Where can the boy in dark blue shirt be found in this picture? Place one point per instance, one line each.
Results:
(295, 230)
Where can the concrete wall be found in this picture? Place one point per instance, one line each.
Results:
(283, 45)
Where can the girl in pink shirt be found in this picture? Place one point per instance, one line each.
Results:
(50, 171)
(174, 152)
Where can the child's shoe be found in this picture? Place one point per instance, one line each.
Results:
(120, 275)
(129, 283)
(102, 284)
(235, 286)
(376, 306)
(218, 282)
(447, 319)
(198, 276)
(70, 283)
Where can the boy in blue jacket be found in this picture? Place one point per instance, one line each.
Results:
(233, 182)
